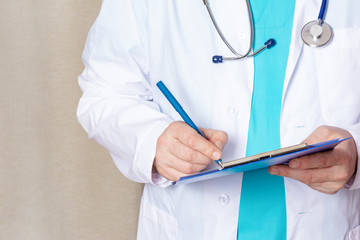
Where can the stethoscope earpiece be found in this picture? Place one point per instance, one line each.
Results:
(217, 59)
(270, 43)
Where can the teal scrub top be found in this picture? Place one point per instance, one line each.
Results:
(262, 213)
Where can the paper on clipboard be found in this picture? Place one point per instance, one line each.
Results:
(267, 159)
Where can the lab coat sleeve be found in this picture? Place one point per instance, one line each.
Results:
(116, 108)
(354, 182)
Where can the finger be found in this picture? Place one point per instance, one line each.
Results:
(170, 165)
(192, 139)
(187, 168)
(182, 166)
(307, 176)
(316, 160)
(170, 173)
(185, 153)
(219, 138)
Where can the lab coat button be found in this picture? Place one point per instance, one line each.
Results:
(232, 110)
(224, 199)
(240, 35)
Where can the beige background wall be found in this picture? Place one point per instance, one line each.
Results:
(54, 182)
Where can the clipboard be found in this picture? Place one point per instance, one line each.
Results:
(262, 160)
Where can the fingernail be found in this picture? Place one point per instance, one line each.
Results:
(219, 145)
(216, 155)
(274, 171)
(294, 164)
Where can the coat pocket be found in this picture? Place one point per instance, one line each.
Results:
(155, 223)
(338, 71)
(355, 234)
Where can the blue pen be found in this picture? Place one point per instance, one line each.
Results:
(181, 111)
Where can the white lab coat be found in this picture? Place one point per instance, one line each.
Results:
(135, 43)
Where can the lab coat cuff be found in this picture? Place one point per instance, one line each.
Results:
(159, 180)
(145, 156)
(354, 181)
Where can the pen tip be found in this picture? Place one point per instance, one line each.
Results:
(221, 165)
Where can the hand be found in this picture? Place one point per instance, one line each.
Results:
(181, 151)
(327, 172)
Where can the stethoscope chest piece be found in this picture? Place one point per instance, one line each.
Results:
(316, 34)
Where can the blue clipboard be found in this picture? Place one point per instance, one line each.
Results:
(261, 161)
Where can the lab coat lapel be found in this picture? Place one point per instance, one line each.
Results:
(305, 11)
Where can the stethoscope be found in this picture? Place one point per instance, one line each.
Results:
(316, 33)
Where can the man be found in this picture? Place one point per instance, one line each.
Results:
(134, 44)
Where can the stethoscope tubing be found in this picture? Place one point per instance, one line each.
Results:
(322, 11)
(238, 55)
(308, 37)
